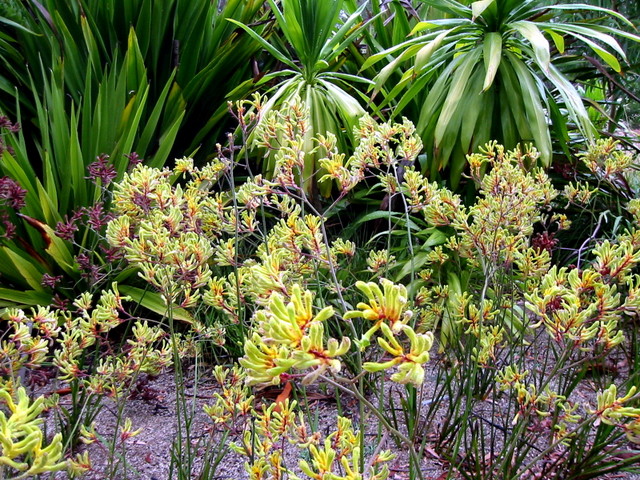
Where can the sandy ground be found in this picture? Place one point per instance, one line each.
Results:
(153, 410)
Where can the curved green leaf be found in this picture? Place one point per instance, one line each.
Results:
(477, 8)
(492, 55)
(459, 84)
(540, 45)
(266, 45)
(154, 302)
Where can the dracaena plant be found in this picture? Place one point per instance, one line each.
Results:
(492, 69)
(313, 39)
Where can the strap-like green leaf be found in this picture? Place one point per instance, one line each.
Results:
(13, 24)
(152, 121)
(426, 52)
(456, 92)
(266, 45)
(376, 57)
(573, 101)
(592, 8)
(532, 33)
(154, 302)
(583, 33)
(478, 113)
(386, 72)
(28, 270)
(477, 8)
(23, 298)
(166, 144)
(492, 52)
(513, 120)
(558, 40)
(437, 93)
(344, 36)
(535, 111)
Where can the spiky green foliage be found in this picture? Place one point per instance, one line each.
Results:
(317, 37)
(490, 70)
(89, 80)
(87, 40)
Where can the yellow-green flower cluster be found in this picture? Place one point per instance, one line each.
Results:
(384, 150)
(291, 336)
(27, 341)
(24, 450)
(497, 227)
(579, 308)
(387, 305)
(544, 405)
(491, 241)
(611, 410)
(292, 250)
(234, 401)
(168, 230)
(30, 344)
(606, 160)
(148, 350)
(379, 261)
(409, 363)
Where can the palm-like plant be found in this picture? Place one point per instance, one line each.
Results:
(490, 70)
(316, 36)
(615, 99)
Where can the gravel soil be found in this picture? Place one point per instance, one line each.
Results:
(152, 409)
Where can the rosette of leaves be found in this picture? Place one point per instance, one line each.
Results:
(491, 69)
(313, 38)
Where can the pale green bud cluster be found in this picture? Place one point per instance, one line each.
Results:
(531, 403)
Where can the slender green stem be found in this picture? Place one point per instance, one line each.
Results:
(381, 418)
